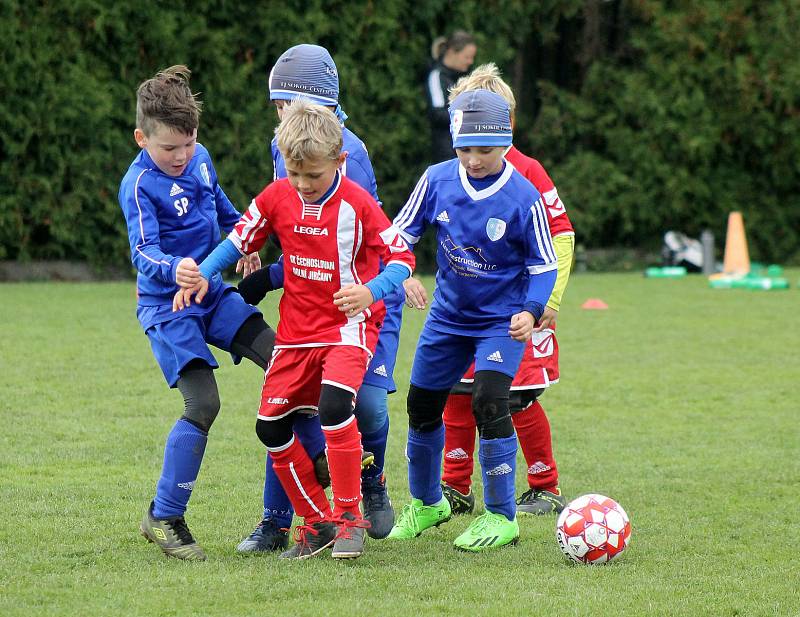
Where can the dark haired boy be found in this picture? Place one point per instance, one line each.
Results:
(175, 212)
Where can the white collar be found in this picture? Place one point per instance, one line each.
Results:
(489, 190)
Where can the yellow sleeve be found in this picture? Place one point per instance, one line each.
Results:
(564, 245)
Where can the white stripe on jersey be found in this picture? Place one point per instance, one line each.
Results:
(349, 238)
(490, 190)
(141, 223)
(543, 240)
(243, 232)
(408, 213)
(435, 88)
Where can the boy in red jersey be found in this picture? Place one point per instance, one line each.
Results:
(333, 235)
(539, 366)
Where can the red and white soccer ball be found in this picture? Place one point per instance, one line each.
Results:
(593, 529)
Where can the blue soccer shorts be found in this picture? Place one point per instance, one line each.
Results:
(441, 359)
(184, 338)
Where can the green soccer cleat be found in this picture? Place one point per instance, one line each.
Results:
(172, 536)
(489, 530)
(416, 518)
(539, 502)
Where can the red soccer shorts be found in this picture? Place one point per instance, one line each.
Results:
(295, 377)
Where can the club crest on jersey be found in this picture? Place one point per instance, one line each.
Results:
(456, 121)
(205, 174)
(495, 229)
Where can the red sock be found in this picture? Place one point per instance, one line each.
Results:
(533, 431)
(459, 442)
(296, 473)
(344, 462)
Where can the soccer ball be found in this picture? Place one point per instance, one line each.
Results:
(593, 529)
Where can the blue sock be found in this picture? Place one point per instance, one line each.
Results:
(376, 443)
(276, 502)
(183, 454)
(424, 451)
(498, 459)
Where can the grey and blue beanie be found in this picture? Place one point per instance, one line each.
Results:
(480, 118)
(307, 71)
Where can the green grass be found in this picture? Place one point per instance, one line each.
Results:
(679, 401)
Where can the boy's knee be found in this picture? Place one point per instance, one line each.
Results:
(201, 402)
(274, 433)
(425, 408)
(335, 405)
(490, 405)
(371, 410)
(522, 399)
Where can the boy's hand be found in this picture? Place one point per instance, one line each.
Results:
(416, 294)
(352, 299)
(183, 297)
(547, 320)
(187, 274)
(521, 326)
(248, 264)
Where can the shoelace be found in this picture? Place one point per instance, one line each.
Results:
(267, 526)
(522, 498)
(482, 522)
(409, 516)
(344, 524)
(301, 534)
(182, 531)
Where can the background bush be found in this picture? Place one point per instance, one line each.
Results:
(649, 116)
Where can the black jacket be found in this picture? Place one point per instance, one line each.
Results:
(437, 87)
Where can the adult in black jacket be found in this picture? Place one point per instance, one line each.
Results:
(453, 56)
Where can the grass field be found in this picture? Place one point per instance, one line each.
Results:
(680, 402)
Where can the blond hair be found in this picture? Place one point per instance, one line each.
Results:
(167, 99)
(486, 77)
(307, 131)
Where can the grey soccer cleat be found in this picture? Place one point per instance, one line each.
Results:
(172, 536)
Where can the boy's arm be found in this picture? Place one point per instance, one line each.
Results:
(540, 260)
(144, 236)
(359, 170)
(257, 285)
(247, 236)
(565, 247)
(227, 214)
(411, 221)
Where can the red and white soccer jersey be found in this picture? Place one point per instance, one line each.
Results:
(539, 365)
(325, 247)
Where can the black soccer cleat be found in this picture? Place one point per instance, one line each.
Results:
(267, 536)
(459, 502)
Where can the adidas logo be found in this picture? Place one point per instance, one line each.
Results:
(187, 486)
(538, 467)
(443, 218)
(495, 357)
(456, 455)
(175, 190)
(381, 370)
(500, 470)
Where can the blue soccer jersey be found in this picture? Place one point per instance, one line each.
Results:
(492, 245)
(170, 218)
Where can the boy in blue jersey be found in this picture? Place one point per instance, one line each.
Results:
(308, 71)
(175, 210)
(496, 270)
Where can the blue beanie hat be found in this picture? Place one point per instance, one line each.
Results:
(307, 71)
(480, 118)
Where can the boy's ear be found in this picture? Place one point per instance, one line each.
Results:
(140, 137)
(342, 157)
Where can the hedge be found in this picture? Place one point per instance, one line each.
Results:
(649, 116)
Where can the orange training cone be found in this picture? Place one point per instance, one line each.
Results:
(737, 259)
